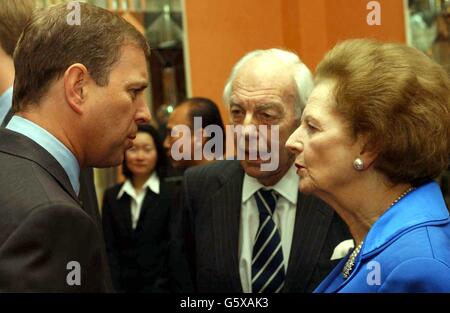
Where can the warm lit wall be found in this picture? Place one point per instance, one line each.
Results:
(220, 32)
(323, 23)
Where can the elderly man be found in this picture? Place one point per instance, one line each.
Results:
(78, 99)
(250, 228)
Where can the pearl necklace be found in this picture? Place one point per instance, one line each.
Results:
(351, 260)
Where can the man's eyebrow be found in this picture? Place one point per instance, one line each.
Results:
(233, 103)
(138, 84)
(269, 105)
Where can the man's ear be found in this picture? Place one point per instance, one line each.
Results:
(75, 81)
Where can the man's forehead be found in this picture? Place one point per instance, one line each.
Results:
(132, 59)
(266, 91)
(263, 77)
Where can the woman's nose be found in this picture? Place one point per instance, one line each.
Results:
(294, 143)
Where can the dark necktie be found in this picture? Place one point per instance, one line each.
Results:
(268, 272)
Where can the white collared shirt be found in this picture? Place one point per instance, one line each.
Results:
(137, 199)
(284, 218)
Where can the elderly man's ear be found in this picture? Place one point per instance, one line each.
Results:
(75, 81)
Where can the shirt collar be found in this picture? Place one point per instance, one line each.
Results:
(5, 103)
(152, 183)
(424, 205)
(52, 145)
(287, 186)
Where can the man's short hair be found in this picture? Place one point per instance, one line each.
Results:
(301, 75)
(49, 45)
(207, 110)
(14, 16)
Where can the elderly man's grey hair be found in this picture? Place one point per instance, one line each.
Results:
(301, 74)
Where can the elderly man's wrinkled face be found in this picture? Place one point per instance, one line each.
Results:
(325, 150)
(264, 93)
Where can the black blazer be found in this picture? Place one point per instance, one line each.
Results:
(137, 257)
(43, 225)
(88, 197)
(212, 205)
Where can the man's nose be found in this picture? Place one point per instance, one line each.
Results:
(249, 126)
(143, 115)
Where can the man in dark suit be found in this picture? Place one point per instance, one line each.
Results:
(185, 114)
(250, 228)
(15, 15)
(78, 99)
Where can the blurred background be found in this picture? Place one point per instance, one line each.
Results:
(195, 43)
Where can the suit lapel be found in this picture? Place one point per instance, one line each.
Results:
(150, 202)
(23, 147)
(312, 221)
(226, 204)
(8, 117)
(124, 205)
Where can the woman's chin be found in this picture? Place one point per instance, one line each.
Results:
(141, 174)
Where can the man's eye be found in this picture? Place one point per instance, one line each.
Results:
(135, 92)
(236, 114)
(267, 115)
(311, 127)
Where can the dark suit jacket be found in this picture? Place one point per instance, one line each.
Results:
(212, 214)
(43, 225)
(137, 256)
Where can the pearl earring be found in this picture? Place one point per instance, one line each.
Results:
(358, 164)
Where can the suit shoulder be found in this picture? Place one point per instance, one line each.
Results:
(28, 186)
(418, 275)
(216, 169)
(113, 191)
(430, 241)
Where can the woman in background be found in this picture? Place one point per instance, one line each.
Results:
(373, 135)
(136, 217)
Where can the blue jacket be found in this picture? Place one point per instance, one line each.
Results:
(406, 250)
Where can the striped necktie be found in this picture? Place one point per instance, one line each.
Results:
(268, 272)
